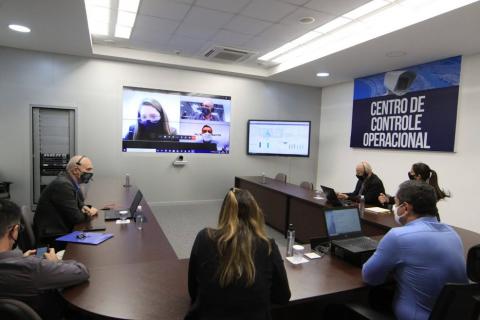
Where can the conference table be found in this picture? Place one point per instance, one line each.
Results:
(285, 203)
(137, 275)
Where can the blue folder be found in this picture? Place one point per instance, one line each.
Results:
(85, 237)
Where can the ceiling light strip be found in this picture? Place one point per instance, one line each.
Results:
(382, 20)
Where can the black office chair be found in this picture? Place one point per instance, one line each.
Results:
(306, 185)
(281, 177)
(26, 239)
(455, 301)
(16, 310)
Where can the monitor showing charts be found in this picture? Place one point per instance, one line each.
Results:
(278, 138)
(157, 120)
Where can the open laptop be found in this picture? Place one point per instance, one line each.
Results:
(345, 231)
(115, 214)
(333, 199)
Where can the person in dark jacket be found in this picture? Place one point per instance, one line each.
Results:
(235, 271)
(31, 279)
(61, 205)
(369, 185)
(420, 172)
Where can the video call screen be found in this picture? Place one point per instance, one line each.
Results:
(175, 122)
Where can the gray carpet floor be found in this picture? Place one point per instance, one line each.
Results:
(181, 223)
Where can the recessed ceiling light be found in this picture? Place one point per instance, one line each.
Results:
(323, 74)
(396, 54)
(19, 28)
(306, 20)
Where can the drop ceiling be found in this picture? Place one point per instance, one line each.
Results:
(179, 33)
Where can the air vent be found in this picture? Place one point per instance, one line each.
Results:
(227, 54)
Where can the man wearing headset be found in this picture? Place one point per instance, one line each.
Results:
(369, 185)
(61, 205)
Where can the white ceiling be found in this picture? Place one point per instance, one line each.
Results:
(178, 33)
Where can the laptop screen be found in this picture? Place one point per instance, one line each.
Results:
(343, 221)
(136, 202)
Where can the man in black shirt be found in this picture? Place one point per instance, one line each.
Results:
(369, 185)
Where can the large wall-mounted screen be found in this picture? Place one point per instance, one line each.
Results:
(175, 122)
(278, 138)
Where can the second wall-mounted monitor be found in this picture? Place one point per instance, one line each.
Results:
(175, 122)
(278, 138)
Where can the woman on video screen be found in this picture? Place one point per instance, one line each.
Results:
(152, 122)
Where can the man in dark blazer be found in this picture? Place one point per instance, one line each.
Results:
(369, 185)
(61, 205)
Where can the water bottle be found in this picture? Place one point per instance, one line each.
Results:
(264, 179)
(139, 218)
(290, 240)
(361, 205)
(127, 181)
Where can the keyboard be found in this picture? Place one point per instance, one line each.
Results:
(361, 242)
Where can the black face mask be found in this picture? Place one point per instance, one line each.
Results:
(361, 178)
(206, 111)
(85, 177)
(411, 176)
(149, 123)
(15, 242)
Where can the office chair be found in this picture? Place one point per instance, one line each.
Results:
(16, 310)
(281, 177)
(26, 239)
(306, 185)
(455, 301)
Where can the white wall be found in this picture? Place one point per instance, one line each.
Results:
(458, 172)
(95, 88)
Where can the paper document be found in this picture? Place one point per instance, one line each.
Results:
(377, 210)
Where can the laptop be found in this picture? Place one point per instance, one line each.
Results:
(115, 214)
(345, 231)
(333, 199)
(97, 223)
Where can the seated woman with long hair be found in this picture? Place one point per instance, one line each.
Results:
(235, 271)
(421, 172)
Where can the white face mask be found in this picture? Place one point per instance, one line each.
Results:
(396, 216)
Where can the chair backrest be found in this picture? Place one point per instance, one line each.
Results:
(281, 177)
(16, 310)
(306, 185)
(457, 301)
(26, 239)
(473, 263)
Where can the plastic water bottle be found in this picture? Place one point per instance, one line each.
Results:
(264, 180)
(127, 181)
(290, 240)
(139, 218)
(361, 205)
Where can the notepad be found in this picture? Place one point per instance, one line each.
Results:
(88, 238)
(377, 210)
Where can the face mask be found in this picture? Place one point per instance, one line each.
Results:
(361, 178)
(206, 111)
(396, 216)
(148, 123)
(85, 177)
(15, 242)
(207, 137)
(411, 176)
